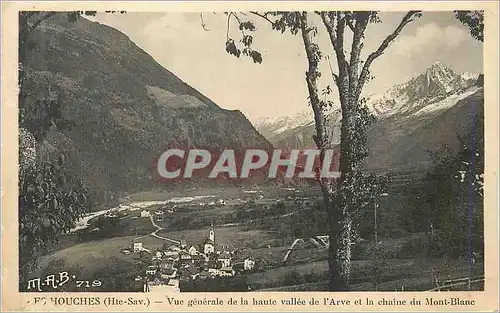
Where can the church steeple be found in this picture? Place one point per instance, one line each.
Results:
(211, 235)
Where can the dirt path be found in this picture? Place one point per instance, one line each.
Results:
(158, 228)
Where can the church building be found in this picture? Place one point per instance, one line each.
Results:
(209, 243)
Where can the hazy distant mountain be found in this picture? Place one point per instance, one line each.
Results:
(273, 126)
(121, 108)
(419, 115)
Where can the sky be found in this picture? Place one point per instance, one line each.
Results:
(276, 87)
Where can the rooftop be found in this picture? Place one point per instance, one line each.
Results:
(224, 255)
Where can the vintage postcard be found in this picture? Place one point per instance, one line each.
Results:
(250, 156)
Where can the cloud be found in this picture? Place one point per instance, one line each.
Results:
(430, 36)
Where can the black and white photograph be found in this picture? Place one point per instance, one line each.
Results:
(251, 151)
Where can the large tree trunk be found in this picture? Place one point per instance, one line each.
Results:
(337, 266)
(336, 281)
(340, 205)
(345, 231)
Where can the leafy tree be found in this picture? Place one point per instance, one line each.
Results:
(50, 200)
(474, 20)
(341, 196)
(449, 203)
(108, 226)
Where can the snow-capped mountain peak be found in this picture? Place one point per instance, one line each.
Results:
(421, 115)
(435, 89)
(283, 123)
(441, 75)
(436, 82)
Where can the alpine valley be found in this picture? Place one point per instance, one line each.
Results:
(96, 103)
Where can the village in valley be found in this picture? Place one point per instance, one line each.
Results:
(177, 261)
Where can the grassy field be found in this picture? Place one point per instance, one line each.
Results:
(94, 254)
(235, 237)
(409, 274)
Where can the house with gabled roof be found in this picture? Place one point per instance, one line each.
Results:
(166, 264)
(224, 258)
(185, 257)
(138, 247)
(151, 270)
(214, 267)
(193, 250)
(157, 255)
(248, 264)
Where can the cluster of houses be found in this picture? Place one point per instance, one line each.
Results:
(190, 262)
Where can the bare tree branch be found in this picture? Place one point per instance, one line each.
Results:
(409, 17)
(335, 24)
(227, 29)
(349, 23)
(362, 19)
(311, 79)
(263, 16)
(339, 33)
(334, 76)
(203, 25)
(329, 22)
(228, 22)
(236, 17)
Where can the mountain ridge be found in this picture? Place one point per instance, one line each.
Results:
(435, 81)
(401, 110)
(119, 108)
(305, 117)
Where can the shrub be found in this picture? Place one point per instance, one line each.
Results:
(379, 263)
